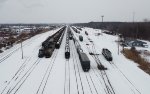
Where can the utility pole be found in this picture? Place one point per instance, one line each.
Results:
(118, 44)
(102, 18)
(137, 30)
(21, 44)
(136, 26)
(133, 16)
(102, 22)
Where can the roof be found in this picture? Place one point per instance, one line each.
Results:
(84, 57)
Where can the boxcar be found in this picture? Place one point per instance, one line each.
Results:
(85, 62)
(41, 53)
(107, 54)
(80, 38)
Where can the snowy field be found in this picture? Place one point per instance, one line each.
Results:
(56, 75)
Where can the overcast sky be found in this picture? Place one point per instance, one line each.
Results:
(70, 11)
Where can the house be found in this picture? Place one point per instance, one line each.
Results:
(133, 43)
(5, 29)
(137, 43)
(108, 32)
(2, 39)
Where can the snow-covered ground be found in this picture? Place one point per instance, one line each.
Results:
(56, 75)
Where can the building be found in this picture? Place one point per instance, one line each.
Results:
(136, 43)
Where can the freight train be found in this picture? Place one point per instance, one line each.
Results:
(67, 48)
(84, 60)
(58, 43)
(76, 30)
(49, 45)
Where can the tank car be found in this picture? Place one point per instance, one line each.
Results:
(48, 52)
(58, 43)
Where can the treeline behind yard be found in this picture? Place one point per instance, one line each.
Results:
(140, 30)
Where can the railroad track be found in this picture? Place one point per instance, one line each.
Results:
(96, 73)
(14, 87)
(17, 74)
(108, 87)
(90, 81)
(133, 86)
(8, 55)
(76, 69)
(15, 50)
(88, 78)
(133, 89)
(67, 77)
(67, 66)
(46, 76)
(106, 81)
(92, 87)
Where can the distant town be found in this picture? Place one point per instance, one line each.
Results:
(11, 34)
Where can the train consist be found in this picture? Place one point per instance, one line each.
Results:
(79, 28)
(76, 30)
(84, 60)
(107, 54)
(57, 45)
(51, 43)
(67, 48)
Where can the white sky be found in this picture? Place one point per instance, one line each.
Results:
(70, 11)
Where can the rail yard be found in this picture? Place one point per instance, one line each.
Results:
(70, 60)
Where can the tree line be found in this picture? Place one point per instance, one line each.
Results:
(140, 30)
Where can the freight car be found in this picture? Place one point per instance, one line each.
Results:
(70, 36)
(57, 45)
(69, 33)
(67, 52)
(48, 52)
(86, 32)
(80, 38)
(85, 62)
(107, 54)
(67, 48)
(76, 30)
(48, 45)
(41, 53)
